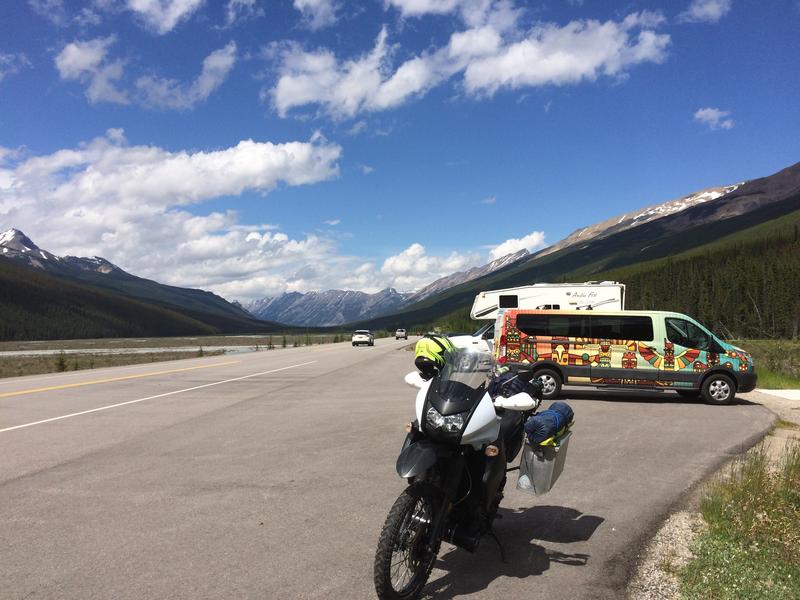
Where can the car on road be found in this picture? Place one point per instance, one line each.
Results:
(363, 337)
(400, 333)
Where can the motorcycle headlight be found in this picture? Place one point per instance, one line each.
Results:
(448, 424)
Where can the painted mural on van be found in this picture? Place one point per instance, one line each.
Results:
(615, 355)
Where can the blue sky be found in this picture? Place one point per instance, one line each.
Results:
(253, 147)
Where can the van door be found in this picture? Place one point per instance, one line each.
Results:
(619, 360)
(684, 344)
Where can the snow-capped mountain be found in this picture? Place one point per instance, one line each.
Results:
(16, 245)
(335, 307)
(639, 217)
(100, 273)
(332, 307)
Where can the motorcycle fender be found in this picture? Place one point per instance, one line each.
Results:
(415, 459)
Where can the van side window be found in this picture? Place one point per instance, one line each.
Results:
(687, 334)
(622, 328)
(554, 326)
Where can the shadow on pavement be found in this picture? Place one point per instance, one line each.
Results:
(639, 396)
(469, 573)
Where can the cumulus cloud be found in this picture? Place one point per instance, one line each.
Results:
(708, 11)
(237, 10)
(317, 13)
(501, 14)
(714, 118)
(168, 93)
(532, 241)
(11, 64)
(162, 16)
(414, 268)
(489, 59)
(579, 51)
(85, 61)
(130, 204)
(51, 10)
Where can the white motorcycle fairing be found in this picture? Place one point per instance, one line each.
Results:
(483, 427)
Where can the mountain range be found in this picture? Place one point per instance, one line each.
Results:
(336, 307)
(662, 232)
(43, 295)
(47, 296)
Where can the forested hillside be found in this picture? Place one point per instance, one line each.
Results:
(750, 290)
(35, 306)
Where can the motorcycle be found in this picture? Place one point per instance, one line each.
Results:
(455, 459)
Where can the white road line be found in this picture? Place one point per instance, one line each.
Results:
(197, 387)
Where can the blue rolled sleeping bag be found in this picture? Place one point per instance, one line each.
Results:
(548, 423)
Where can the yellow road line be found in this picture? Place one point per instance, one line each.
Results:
(112, 379)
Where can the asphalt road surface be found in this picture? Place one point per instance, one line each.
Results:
(269, 475)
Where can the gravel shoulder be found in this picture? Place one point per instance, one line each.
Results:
(655, 576)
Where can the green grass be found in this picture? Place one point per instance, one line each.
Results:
(769, 380)
(36, 365)
(777, 362)
(751, 548)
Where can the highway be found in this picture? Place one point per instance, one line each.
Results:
(269, 475)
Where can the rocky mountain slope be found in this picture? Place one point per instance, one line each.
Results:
(335, 307)
(45, 296)
(656, 235)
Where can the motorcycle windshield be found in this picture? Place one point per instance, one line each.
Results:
(462, 381)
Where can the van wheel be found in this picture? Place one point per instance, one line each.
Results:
(718, 389)
(551, 382)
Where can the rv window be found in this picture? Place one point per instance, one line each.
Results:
(553, 325)
(508, 301)
(549, 307)
(622, 328)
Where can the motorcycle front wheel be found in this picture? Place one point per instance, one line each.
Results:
(405, 555)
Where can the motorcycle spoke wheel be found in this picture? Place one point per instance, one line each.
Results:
(404, 558)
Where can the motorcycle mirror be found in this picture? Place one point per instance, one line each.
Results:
(414, 379)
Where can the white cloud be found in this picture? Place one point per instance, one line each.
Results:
(317, 13)
(708, 11)
(52, 10)
(332, 222)
(128, 203)
(579, 51)
(500, 14)
(714, 118)
(168, 93)
(489, 200)
(532, 241)
(85, 61)
(241, 9)
(548, 55)
(162, 16)
(11, 64)
(366, 169)
(413, 268)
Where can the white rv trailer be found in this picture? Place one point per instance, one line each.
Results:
(608, 295)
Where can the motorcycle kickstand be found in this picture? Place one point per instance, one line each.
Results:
(499, 545)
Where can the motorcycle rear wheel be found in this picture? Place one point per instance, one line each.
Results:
(403, 560)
